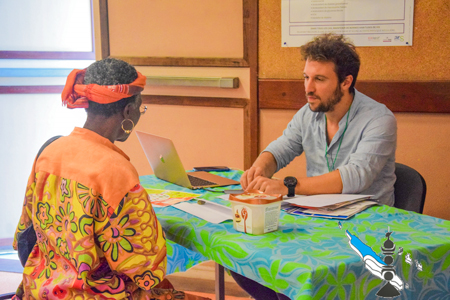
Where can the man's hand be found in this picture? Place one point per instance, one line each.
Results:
(267, 185)
(250, 175)
(265, 165)
(258, 177)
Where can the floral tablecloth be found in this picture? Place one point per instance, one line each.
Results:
(315, 258)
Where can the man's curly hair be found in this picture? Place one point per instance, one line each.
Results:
(337, 49)
(110, 71)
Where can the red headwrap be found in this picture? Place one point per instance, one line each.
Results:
(76, 94)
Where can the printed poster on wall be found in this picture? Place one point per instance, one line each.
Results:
(365, 22)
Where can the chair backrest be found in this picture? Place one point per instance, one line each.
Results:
(48, 142)
(410, 189)
(7, 296)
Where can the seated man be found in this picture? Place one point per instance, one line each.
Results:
(348, 138)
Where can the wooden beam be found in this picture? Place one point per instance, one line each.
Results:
(195, 101)
(281, 94)
(251, 112)
(183, 61)
(412, 96)
(32, 89)
(398, 96)
(46, 55)
(104, 28)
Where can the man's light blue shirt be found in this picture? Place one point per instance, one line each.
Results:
(366, 159)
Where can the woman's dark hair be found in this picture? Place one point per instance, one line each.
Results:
(337, 49)
(110, 71)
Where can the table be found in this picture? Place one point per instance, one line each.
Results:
(311, 258)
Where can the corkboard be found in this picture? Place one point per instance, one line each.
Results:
(427, 59)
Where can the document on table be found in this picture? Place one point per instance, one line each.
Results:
(365, 22)
(209, 211)
(326, 201)
(342, 213)
(168, 197)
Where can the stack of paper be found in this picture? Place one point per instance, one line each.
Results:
(340, 213)
(337, 206)
(326, 201)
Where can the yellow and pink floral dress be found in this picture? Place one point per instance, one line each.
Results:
(98, 236)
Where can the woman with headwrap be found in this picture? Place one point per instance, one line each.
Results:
(97, 234)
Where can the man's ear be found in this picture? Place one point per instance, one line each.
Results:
(345, 85)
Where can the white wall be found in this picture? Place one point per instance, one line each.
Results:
(26, 122)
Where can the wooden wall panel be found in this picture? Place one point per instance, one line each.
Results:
(114, 17)
(398, 96)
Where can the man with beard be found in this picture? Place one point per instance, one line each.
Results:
(348, 138)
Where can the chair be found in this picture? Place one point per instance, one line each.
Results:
(410, 189)
(6, 296)
(26, 253)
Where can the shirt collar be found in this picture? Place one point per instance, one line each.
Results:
(96, 138)
(355, 105)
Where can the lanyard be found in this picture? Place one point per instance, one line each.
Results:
(340, 142)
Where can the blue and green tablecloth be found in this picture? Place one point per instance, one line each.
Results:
(311, 258)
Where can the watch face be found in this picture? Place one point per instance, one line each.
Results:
(290, 181)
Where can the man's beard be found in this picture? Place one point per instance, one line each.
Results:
(331, 102)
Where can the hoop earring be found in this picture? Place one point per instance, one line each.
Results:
(126, 130)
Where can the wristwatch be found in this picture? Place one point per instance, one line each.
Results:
(290, 182)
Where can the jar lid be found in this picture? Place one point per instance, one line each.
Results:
(256, 197)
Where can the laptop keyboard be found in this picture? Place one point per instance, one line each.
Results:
(195, 181)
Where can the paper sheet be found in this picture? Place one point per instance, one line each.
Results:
(341, 213)
(210, 211)
(365, 22)
(323, 200)
(168, 197)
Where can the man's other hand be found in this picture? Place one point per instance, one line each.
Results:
(267, 185)
(265, 166)
(250, 175)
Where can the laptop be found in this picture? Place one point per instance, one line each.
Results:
(166, 164)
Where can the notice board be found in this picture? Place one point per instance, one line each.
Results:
(427, 59)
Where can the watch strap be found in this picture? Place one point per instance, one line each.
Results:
(291, 191)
